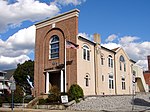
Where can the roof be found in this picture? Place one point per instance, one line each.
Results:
(92, 42)
(9, 73)
(108, 49)
(86, 39)
(115, 49)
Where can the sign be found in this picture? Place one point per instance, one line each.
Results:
(13, 86)
(64, 99)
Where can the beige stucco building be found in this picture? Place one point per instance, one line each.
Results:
(96, 69)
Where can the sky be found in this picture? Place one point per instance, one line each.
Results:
(123, 23)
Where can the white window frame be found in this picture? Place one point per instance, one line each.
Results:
(86, 53)
(50, 47)
(123, 83)
(110, 61)
(111, 81)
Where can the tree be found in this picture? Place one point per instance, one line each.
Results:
(22, 73)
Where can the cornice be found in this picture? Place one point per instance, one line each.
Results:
(58, 18)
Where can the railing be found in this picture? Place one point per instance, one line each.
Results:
(139, 74)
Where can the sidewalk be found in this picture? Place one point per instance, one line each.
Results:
(36, 110)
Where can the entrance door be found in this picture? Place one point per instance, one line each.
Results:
(54, 79)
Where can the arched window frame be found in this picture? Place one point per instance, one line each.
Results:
(86, 52)
(54, 47)
(122, 62)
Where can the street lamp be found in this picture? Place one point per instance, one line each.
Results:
(12, 88)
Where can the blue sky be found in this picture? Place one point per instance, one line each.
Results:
(124, 23)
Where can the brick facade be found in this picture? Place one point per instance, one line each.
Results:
(63, 28)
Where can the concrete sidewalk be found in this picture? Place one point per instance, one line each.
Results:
(36, 110)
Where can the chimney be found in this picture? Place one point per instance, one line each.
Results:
(97, 38)
(148, 58)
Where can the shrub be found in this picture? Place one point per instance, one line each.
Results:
(42, 102)
(54, 95)
(75, 92)
(1, 100)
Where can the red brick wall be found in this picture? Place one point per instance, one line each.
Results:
(147, 77)
(148, 58)
(64, 29)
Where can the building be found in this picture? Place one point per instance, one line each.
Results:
(96, 69)
(5, 80)
(147, 73)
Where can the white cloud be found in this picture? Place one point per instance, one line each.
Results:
(11, 62)
(21, 42)
(66, 2)
(14, 14)
(85, 35)
(127, 39)
(143, 63)
(111, 38)
(111, 45)
(137, 51)
(33, 10)
(17, 47)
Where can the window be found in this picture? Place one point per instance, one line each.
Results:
(120, 66)
(110, 61)
(87, 80)
(111, 82)
(122, 59)
(86, 53)
(54, 47)
(123, 84)
(122, 62)
(102, 59)
(124, 67)
(102, 77)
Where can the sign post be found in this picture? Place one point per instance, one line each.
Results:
(12, 88)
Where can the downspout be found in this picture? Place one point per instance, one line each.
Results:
(115, 74)
(95, 70)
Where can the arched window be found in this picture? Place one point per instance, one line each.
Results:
(122, 59)
(122, 62)
(110, 61)
(86, 53)
(54, 47)
(87, 78)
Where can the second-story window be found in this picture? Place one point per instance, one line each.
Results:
(110, 61)
(122, 62)
(102, 59)
(86, 53)
(124, 67)
(54, 47)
